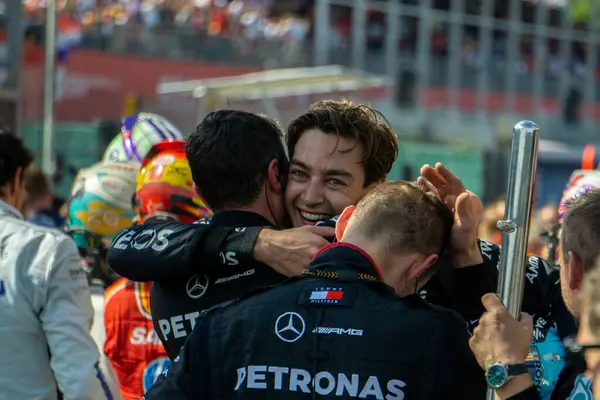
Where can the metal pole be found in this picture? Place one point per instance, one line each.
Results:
(514, 40)
(14, 13)
(391, 41)
(48, 164)
(359, 34)
(590, 63)
(457, 14)
(321, 42)
(515, 226)
(423, 55)
(484, 50)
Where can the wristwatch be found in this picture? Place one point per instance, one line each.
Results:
(499, 374)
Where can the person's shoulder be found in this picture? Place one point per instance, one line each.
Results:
(26, 232)
(262, 295)
(431, 313)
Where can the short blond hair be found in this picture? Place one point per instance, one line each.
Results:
(404, 216)
(581, 228)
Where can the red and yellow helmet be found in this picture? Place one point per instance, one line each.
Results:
(165, 188)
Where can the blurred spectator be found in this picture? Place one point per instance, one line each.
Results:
(543, 221)
(487, 227)
(39, 207)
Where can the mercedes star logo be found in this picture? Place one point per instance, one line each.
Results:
(289, 327)
(197, 285)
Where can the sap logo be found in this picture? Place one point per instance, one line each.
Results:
(323, 383)
(532, 271)
(228, 258)
(234, 277)
(337, 331)
(176, 325)
(148, 238)
(141, 336)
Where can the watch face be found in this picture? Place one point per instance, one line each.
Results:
(497, 375)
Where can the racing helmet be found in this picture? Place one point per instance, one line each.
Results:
(101, 200)
(165, 190)
(100, 205)
(139, 132)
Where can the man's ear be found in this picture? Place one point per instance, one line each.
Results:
(575, 270)
(418, 269)
(274, 177)
(342, 222)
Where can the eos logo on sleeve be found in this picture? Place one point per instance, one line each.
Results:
(149, 238)
(228, 258)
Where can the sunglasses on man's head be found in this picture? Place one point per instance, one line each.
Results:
(573, 347)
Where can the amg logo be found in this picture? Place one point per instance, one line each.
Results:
(532, 271)
(337, 331)
(234, 277)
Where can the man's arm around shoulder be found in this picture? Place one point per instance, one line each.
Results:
(66, 317)
(174, 251)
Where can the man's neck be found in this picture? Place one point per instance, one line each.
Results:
(392, 267)
(254, 208)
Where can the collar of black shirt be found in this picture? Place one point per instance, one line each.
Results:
(347, 256)
(239, 218)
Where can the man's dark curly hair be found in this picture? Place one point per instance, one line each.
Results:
(360, 122)
(13, 155)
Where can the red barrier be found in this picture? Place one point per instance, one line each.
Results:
(94, 84)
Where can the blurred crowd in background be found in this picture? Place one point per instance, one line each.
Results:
(455, 74)
(291, 21)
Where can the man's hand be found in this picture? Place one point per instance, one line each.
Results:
(466, 207)
(290, 251)
(499, 337)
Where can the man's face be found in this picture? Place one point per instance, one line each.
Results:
(325, 177)
(592, 356)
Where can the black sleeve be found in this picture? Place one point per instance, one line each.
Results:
(471, 283)
(188, 376)
(457, 365)
(541, 296)
(539, 291)
(174, 251)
